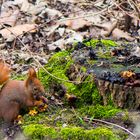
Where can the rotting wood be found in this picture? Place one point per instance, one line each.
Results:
(122, 96)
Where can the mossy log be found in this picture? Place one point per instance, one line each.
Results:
(121, 95)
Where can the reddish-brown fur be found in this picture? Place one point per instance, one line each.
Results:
(16, 94)
(4, 72)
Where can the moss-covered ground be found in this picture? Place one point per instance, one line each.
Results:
(64, 119)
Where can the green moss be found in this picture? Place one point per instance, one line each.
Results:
(110, 43)
(98, 111)
(58, 65)
(74, 133)
(83, 69)
(39, 118)
(126, 116)
(87, 92)
(92, 42)
(39, 131)
(58, 116)
(106, 43)
(102, 47)
(101, 134)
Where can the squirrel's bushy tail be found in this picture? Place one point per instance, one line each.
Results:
(4, 72)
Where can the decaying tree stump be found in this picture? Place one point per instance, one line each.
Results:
(121, 95)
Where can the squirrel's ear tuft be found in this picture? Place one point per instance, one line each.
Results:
(32, 73)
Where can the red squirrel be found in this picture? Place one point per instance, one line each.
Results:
(16, 94)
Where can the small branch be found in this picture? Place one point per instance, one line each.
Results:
(135, 7)
(88, 15)
(126, 12)
(109, 123)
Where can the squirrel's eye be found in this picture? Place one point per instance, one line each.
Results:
(35, 88)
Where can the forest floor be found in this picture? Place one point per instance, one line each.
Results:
(74, 44)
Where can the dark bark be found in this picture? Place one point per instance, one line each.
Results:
(122, 96)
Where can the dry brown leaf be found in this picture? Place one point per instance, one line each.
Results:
(25, 6)
(5, 13)
(94, 32)
(77, 24)
(136, 51)
(9, 19)
(9, 13)
(119, 34)
(18, 30)
(19, 119)
(127, 74)
(94, 19)
(108, 27)
(43, 108)
(52, 13)
(32, 112)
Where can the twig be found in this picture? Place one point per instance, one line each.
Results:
(89, 15)
(135, 7)
(126, 12)
(113, 124)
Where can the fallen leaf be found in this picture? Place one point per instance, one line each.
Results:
(9, 16)
(43, 108)
(77, 24)
(136, 51)
(52, 13)
(127, 74)
(119, 34)
(17, 30)
(59, 43)
(19, 119)
(32, 112)
(25, 6)
(94, 31)
(36, 10)
(107, 28)
(73, 36)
